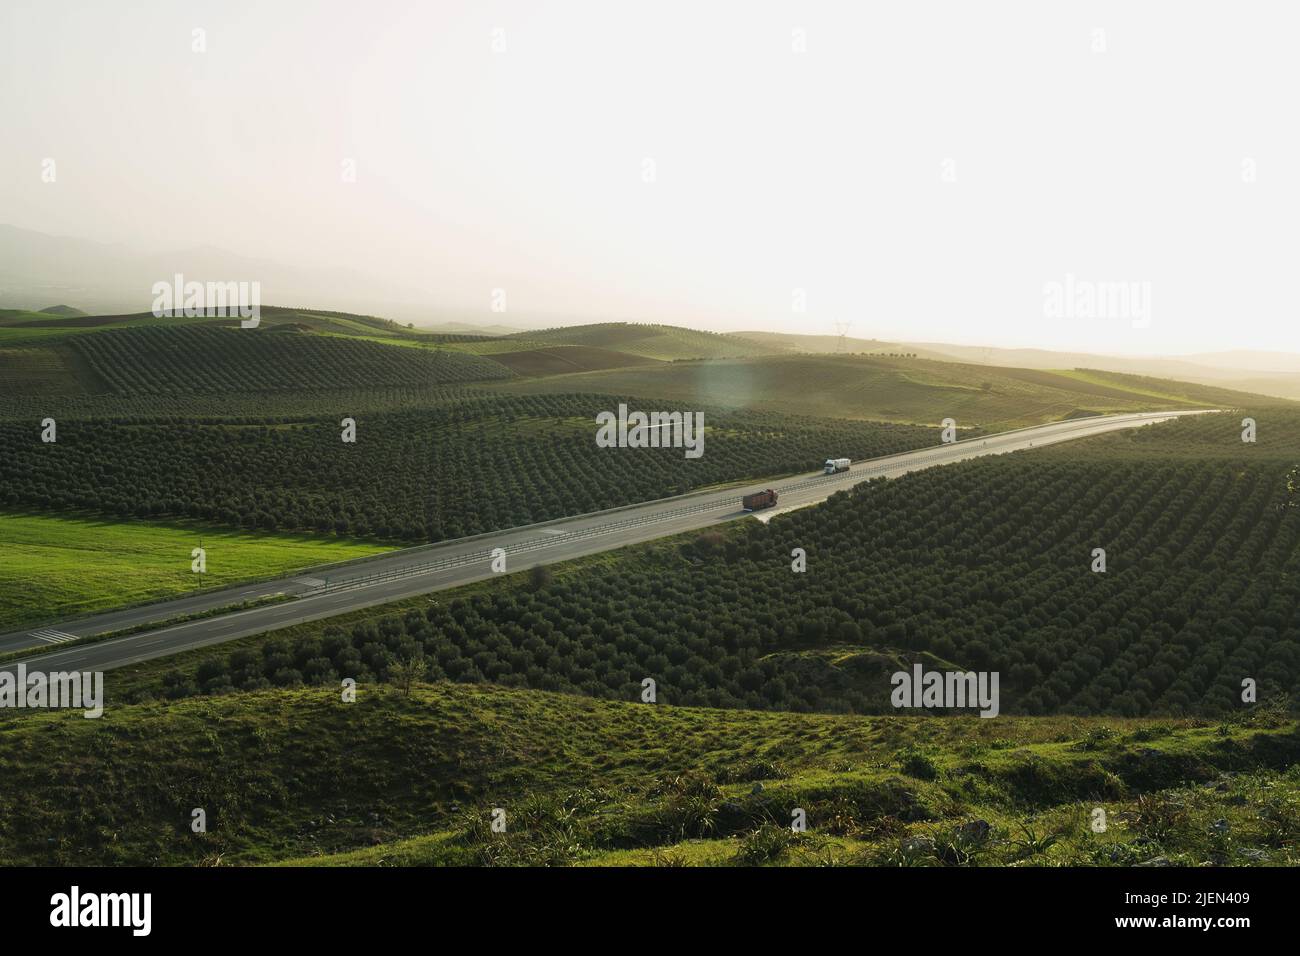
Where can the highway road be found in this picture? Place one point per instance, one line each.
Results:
(327, 591)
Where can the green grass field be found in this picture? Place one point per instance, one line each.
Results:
(301, 776)
(58, 567)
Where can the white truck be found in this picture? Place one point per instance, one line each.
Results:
(834, 465)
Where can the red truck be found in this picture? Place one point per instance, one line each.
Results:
(759, 499)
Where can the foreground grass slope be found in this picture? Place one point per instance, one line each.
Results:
(302, 775)
(56, 567)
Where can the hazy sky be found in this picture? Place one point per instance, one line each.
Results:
(921, 170)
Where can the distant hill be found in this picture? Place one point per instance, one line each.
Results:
(666, 343)
(1250, 361)
(566, 360)
(1026, 385)
(18, 326)
(1268, 373)
(9, 317)
(893, 389)
(468, 328)
(1275, 374)
(171, 359)
(833, 344)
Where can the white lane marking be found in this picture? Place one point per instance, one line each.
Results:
(51, 636)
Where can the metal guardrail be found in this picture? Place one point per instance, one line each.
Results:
(951, 452)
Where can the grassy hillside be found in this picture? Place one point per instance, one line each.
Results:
(297, 352)
(192, 359)
(69, 321)
(664, 342)
(1168, 389)
(1265, 373)
(55, 567)
(833, 345)
(893, 389)
(1283, 386)
(12, 316)
(300, 775)
(24, 328)
(18, 328)
(565, 360)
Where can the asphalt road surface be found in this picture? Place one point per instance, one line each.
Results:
(327, 591)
